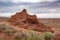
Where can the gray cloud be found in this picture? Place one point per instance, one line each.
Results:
(40, 7)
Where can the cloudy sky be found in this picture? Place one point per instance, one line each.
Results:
(8, 7)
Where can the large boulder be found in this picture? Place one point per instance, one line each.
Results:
(24, 20)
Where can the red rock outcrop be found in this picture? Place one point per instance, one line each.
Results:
(24, 20)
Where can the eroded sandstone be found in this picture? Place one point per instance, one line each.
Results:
(24, 20)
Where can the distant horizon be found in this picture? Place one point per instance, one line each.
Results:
(52, 15)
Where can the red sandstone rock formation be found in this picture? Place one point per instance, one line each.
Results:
(24, 20)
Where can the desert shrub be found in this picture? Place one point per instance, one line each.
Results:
(10, 32)
(48, 36)
(2, 27)
(41, 36)
(20, 36)
(32, 35)
(1, 37)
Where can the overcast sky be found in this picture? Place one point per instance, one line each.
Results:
(33, 6)
(17, 1)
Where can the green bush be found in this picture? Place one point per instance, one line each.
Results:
(41, 36)
(32, 35)
(2, 27)
(10, 32)
(48, 36)
(20, 36)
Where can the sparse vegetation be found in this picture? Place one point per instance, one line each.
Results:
(48, 36)
(10, 32)
(2, 27)
(20, 36)
(33, 35)
(28, 35)
(7, 29)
